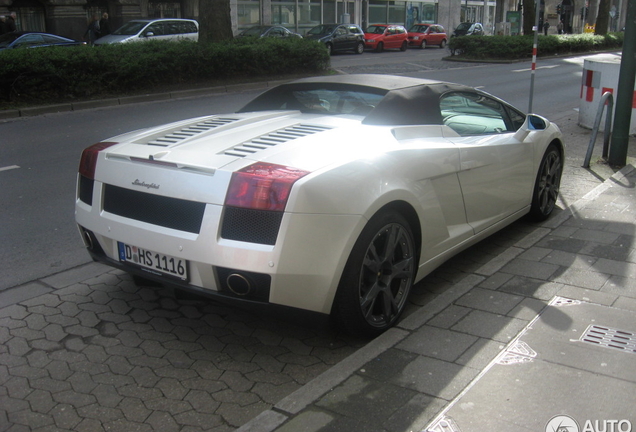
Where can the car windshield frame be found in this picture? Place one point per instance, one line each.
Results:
(419, 28)
(131, 28)
(318, 98)
(323, 29)
(376, 29)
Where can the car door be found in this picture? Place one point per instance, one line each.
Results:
(341, 39)
(496, 172)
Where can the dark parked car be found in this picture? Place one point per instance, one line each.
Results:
(339, 37)
(268, 31)
(469, 29)
(24, 39)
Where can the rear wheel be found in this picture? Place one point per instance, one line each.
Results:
(547, 184)
(380, 47)
(404, 46)
(442, 44)
(378, 276)
(330, 48)
(359, 48)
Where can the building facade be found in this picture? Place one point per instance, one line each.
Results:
(70, 17)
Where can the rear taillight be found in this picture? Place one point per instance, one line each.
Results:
(88, 162)
(262, 186)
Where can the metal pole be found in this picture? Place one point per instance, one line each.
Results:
(625, 91)
(534, 53)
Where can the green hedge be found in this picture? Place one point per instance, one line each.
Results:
(520, 47)
(67, 73)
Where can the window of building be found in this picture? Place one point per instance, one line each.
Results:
(249, 13)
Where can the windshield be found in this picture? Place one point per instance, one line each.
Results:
(376, 29)
(418, 28)
(6, 39)
(464, 26)
(254, 31)
(330, 99)
(321, 30)
(131, 28)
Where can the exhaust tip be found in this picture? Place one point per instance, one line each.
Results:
(239, 284)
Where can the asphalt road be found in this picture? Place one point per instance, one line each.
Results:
(39, 155)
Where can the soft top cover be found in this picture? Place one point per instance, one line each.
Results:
(405, 101)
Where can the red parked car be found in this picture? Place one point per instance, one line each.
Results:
(423, 35)
(380, 36)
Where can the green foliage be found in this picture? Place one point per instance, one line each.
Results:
(50, 74)
(520, 47)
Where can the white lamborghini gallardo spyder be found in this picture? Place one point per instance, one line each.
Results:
(328, 194)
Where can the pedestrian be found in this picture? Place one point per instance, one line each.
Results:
(3, 24)
(11, 22)
(560, 27)
(92, 31)
(546, 26)
(104, 25)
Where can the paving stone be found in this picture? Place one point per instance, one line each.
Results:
(491, 326)
(489, 300)
(438, 343)
(274, 393)
(41, 401)
(31, 419)
(415, 414)
(582, 278)
(234, 414)
(134, 410)
(528, 287)
(81, 382)
(352, 399)
(76, 398)
(65, 416)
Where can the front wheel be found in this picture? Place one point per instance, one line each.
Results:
(359, 48)
(423, 44)
(547, 184)
(378, 276)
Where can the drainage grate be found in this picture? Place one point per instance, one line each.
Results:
(610, 338)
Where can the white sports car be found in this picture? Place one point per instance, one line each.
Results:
(329, 194)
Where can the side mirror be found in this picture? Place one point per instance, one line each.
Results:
(533, 122)
(536, 123)
(149, 34)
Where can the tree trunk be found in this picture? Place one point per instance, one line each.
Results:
(215, 21)
(528, 16)
(602, 19)
(592, 12)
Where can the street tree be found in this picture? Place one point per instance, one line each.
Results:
(215, 21)
(602, 19)
(528, 16)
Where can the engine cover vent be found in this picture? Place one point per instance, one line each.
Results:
(179, 135)
(273, 139)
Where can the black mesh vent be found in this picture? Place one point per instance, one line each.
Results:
(253, 226)
(86, 190)
(167, 212)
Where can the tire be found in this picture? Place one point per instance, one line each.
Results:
(442, 43)
(329, 49)
(380, 47)
(423, 44)
(547, 184)
(377, 278)
(359, 48)
(404, 46)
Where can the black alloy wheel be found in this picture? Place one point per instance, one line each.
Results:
(547, 184)
(378, 276)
